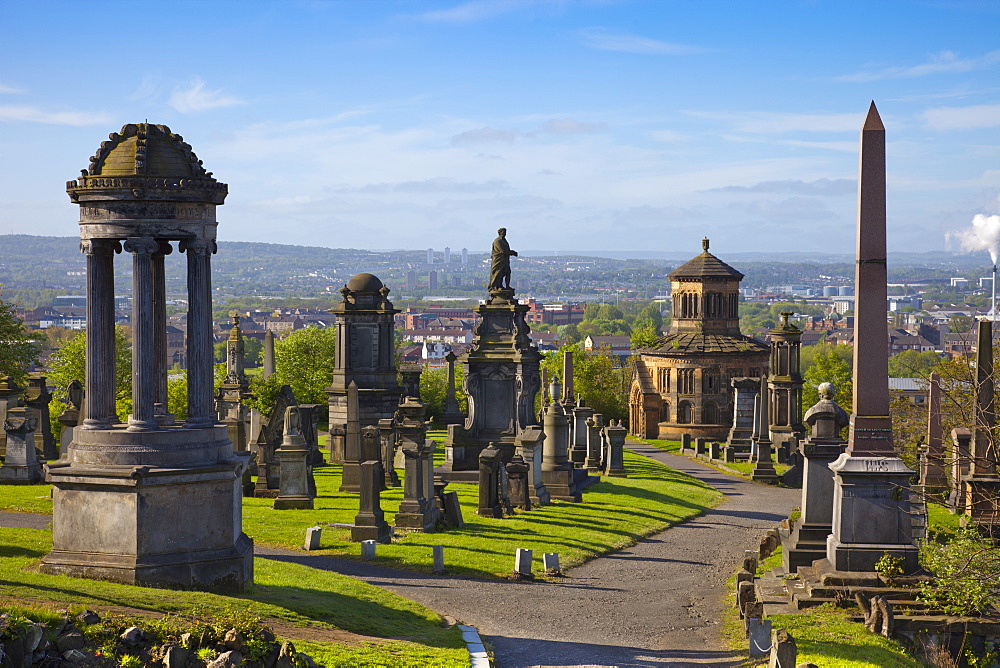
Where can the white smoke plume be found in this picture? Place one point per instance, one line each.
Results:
(983, 235)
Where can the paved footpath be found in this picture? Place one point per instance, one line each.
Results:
(655, 604)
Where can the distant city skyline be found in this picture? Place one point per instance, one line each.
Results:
(591, 124)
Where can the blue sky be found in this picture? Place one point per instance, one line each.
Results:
(577, 125)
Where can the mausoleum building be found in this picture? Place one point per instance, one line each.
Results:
(682, 384)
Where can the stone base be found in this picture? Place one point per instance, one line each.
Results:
(158, 508)
(451, 475)
(863, 556)
(806, 544)
(560, 486)
(415, 520)
(21, 475)
(293, 503)
(764, 472)
(380, 532)
(616, 473)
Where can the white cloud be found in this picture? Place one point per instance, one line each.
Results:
(487, 134)
(667, 136)
(944, 62)
(36, 115)
(963, 118)
(599, 38)
(768, 122)
(9, 89)
(567, 126)
(480, 10)
(197, 98)
(819, 187)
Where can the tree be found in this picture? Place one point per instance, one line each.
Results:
(434, 389)
(912, 364)
(829, 366)
(966, 574)
(603, 386)
(960, 323)
(19, 350)
(644, 337)
(303, 360)
(252, 349)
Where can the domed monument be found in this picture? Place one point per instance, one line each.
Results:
(154, 500)
(682, 384)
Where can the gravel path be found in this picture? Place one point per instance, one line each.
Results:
(654, 604)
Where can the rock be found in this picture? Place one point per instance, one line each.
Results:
(783, 650)
(234, 641)
(89, 617)
(206, 638)
(75, 656)
(71, 640)
(305, 661)
(33, 637)
(175, 656)
(132, 635)
(187, 641)
(286, 657)
(227, 660)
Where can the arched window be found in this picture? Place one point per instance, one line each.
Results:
(710, 413)
(684, 412)
(665, 412)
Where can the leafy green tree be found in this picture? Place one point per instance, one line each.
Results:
(829, 366)
(644, 337)
(252, 349)
(966, 574)
(604, 386)
(19, 350)
(960, 323)
(913, 364)
(303, 360)
(434, 388)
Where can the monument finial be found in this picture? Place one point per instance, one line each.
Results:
(704, 244)
(873, 121)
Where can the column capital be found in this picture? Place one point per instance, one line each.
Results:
(100, 246)
(137, 245)
(199, 246)
(164, 247)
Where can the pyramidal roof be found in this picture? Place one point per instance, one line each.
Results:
(705, 265)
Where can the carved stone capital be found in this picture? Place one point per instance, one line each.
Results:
(199, 246)
(100, 246)
(141, 245)
(20, 425)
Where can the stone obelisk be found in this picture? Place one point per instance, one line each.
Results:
(982, 487)
(932, 477)
(871, 500)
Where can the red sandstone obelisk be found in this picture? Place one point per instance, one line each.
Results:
(982, 495)
(871, 501)
(932, 477)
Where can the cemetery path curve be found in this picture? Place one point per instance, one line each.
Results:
(656, 603)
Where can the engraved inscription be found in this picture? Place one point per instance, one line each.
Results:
(877, 465)
(159, 210)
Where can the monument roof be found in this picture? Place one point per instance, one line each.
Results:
(705, 265)
(688, 343)
(145, 149)
(364, 283)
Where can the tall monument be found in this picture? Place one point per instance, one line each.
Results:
(785, 384)
(982, 495)
(501, 375)
(871, 500)
(152, 501)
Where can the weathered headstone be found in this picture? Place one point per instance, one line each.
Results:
(387, 436)
(37, 397)
(615, 460)
(784, 653)
(10, 397)
(793, 476)
(311, 415)
(438, 554)
(517, 483)
(550, 562)
(268, 441)
(759, 636)
(489, 484)
(522, 565)
(529, 447)
(686, 442)
(368, 550)
(579, 431)
(595, 441)
(557, 470)
(369, 523)
(313, 535)
(410, 379)
(293, 460)
(21, 464)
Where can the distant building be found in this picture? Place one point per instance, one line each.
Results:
(465, 256)
(960, 283)
(553, 314)
(682, 384)
(447, 255)
(619, 346)
(432, 280)
(913, 389)
(411, 280)
(430, 256)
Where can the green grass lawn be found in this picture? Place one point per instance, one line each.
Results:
(666, 446)
(743, 468)
(392, 631)
(615, 513)
(746, 468)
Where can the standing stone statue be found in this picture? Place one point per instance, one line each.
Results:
(293, 458)
(500, 262)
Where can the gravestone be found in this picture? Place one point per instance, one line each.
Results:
(451, 414)
(71, 416)
(269, 440)
(793, 476)
(229, 406)
(37, 397)
(311, 415)
(517, 483)
(595, 443)
(686, 442)
(615, 460)
(529, 447)
(760, 457)
(350, 480)
(961, 439)
(740, 434)
(295, 491)
(10, 397)
(418, 511)
(21, 463)
(557, 470)
(387, 435)
(489, 483)
(409, 375)
(579, 433)
(369, 523)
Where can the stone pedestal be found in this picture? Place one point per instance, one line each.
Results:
(21, 464)
(501, 381)
(38, 397)
(451, 414)
(595, 443)
(10, 397)
(295, 472)
(871, 513)
(418, 510)
(489, 483)
(579, 433)
(529, 447)
(807, 542)
(557, 470)
(614, 461)
(369, 523)
(517, 483)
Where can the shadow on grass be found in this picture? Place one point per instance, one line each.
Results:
(14, 551)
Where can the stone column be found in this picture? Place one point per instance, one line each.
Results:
(200, 351)
(451, 414)
(615, 462)
(100, 375)
(932, 475)
(871, 500)
(160, 365)
(763, 469)
(557, 470)
(268, 369)
(568, 395)
(143, 338)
